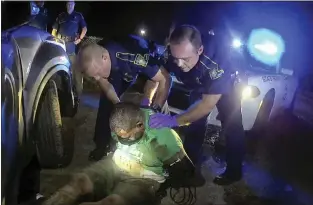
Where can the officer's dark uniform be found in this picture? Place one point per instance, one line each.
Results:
(128, 59)
(40, 20)
(67, 26)
(208, 77)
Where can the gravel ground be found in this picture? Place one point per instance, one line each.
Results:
(278, 169)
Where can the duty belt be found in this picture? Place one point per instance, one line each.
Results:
(67, 38)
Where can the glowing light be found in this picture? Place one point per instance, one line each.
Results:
(143, 32)
(246, 92)
(237, 43)
(266, 46)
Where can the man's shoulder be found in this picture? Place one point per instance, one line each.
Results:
(80, 15)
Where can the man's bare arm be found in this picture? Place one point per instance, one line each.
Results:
(198, 110)
(83, 33)
(164, 85)
(109, 90)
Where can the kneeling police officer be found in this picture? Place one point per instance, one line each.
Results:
(207, 72)
(115, 66)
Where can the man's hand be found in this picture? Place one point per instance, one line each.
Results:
(159, 120)
(77, 41)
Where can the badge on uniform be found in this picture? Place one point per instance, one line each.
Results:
(137, 59)
(216, 73)
(141, 60)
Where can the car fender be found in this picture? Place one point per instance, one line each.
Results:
(49, 60)
(12, 70)
(28, 40)
(284, 87)
(251, 106)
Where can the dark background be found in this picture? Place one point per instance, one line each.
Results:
(293, 20)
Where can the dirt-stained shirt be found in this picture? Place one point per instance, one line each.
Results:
(147, 157)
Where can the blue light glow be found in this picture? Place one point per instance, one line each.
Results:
(266, 46)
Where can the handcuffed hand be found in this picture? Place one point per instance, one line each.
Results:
(159, 120)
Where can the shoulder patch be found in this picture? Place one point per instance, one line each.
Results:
(137, 59)
(142, 60)
(214, 70)
(216, 73)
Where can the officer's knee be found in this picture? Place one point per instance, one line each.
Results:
(113, 199)
(82, 183)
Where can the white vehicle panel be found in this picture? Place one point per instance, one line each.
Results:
(284, 87)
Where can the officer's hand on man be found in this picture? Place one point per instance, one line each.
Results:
(160, 120)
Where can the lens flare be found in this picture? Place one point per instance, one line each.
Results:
(266, 46)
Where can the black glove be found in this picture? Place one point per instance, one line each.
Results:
(155, 108)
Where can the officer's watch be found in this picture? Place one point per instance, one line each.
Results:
(156, 107)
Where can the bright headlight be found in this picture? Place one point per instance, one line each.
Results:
(250, 92)
(237, 43)
(246, 92)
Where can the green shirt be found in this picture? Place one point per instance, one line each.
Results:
(146, 158)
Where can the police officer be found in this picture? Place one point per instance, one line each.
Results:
(207, 72)
(39, 15)
(66, 27)
(115, 65)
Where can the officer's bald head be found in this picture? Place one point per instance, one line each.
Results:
(93, 61)
(186, 32)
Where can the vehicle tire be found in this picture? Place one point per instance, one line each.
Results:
(54, 140)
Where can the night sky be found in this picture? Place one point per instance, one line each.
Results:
(294, 21)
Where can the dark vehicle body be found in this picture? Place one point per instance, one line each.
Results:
(37, 104)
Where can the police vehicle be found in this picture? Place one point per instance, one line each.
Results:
(37, 103)
(266, 88)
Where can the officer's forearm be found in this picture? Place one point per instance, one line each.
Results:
(163, 91)
(54, 32)
(83, 33)
(150, 89)
(198, 110)
(193, 114)
(109, 90)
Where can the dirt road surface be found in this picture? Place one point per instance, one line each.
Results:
(278, 169)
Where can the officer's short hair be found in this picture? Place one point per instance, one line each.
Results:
(186, 32)
(125, 116)
(87, 53)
